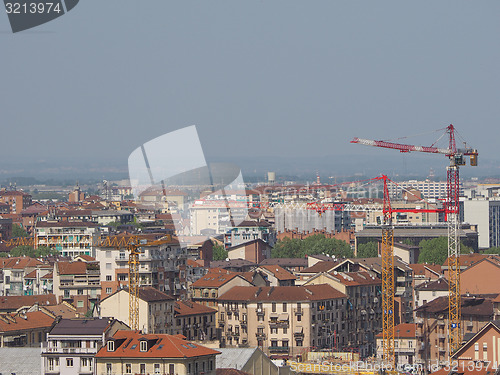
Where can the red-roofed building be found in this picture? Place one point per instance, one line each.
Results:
(17, 200)
(77, 283)
(283, 320)
(364, 312)
(131, 352)
(195, 321)
(156, 309)
(277, 275)
(208, 288)
(405, 344)
(24, 329)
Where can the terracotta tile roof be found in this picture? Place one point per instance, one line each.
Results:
(403, 331)
(31, 275)
(72, 268)
(185, 308)
(127, 345)
(36, 319)
(355, 278)
(467, 260)
(478, 306)
(88, 258)
(323, 266)
(50, 275)
(279, 272)
(12, 303)
(192, 263)
(64, 310)
(281, 293)
(19, 262)
(440, 285)
(231, 263)
(213, 280)
(285, 262)
(419, 268)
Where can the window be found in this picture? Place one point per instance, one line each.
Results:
(108, 266)
(274, 343)
(122, 277)
(171, 369)
(79, 292)
(109, 290)
(69, 362)
(144, 346)
(143, 368)
(66, 293)
(128, 368)
(284, 330)
(109, 277)
(79, 304)
(273, 307)
(284, 307)
(108, 254)
(111, 346)
(52, 363)
(157, 368)
(274, 330)
(109, 368)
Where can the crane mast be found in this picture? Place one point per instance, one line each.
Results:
(452, 214)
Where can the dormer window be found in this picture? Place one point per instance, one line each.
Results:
(144, 346)
(111, 346)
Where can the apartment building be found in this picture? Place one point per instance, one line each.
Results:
(477, 278)
(277, 275)
(481, 349)
(405, 344)
(5, 229)
(429, 189)
(213, 216)
(254, 251)
(70, 238)
(250, 230)
(216, 282)
(25, 329)
(131, 352)
(13, 275)
(195, 321)
(71, 345)
(301, 220)
(38, 281)
(17, 200)
(77, 283)
(162, 264)
(429, 291)
(156, 309)
(432, 325)
(403, 296)
(363, 317)
(485, 213)
(283, 320)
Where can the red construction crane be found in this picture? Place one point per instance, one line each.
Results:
(452, 212)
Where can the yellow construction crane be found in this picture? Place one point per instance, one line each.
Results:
(452, 212)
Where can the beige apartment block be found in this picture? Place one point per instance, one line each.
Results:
(156, 309)
(283, 321)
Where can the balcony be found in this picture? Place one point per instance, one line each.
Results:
(299, 312)
(45, 349)
(260, 335)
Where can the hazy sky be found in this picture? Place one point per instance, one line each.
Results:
(257, 77)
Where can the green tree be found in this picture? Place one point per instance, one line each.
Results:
(29, 251)
(219, 252)
(492, 250)
(436, 250)
(18, 231)
(3, 254)
(22, 250)
(316, 244)
(368, 250)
